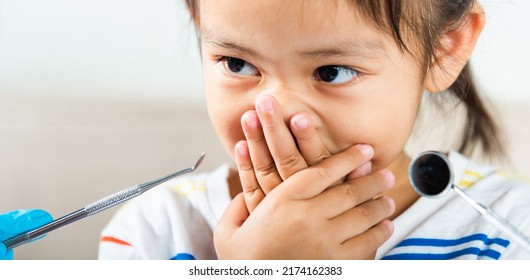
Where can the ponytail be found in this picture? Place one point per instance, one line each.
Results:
(480, 127)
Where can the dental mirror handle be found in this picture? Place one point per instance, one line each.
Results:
(496, 219)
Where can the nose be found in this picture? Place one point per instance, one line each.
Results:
(289, 102)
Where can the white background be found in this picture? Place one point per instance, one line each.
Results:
(146, 48)
(117, 48)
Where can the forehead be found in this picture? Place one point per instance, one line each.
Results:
(294, 24)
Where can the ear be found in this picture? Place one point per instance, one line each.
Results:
(454, 50)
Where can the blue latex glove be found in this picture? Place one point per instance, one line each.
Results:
(18, 221)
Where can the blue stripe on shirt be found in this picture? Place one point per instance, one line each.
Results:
(183, 256)
(431, 242)
(453, 242)
(452, 255)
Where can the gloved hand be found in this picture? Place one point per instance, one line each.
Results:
(18, 221)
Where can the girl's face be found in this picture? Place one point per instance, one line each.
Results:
(321, 58)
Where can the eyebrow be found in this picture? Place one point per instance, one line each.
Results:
(348, 48)
(366, 48)
(214, 39)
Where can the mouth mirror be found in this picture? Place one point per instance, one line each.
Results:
(430, 174)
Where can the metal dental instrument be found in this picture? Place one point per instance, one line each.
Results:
(431, 175)
(94, 208)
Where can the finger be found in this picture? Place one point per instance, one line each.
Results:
(280, 141)
(251, 189)
(234, 216)
(25, 219)
(266, 172)
(315, 179)
(3, 252)
(339, 199)
(364, 245)
(359, 219)
(363, 170)
(309, 143)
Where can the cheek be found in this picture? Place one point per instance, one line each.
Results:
(391, 139)
(392, 132)
(225, 113)
(386, 126)
(396, 115)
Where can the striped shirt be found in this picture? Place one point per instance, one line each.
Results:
(176, 220)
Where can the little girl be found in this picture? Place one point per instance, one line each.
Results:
(315, 101)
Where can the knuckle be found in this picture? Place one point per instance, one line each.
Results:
(246, 167)
(318, 159)
(353, 193)
(320, 171)
(266, 170)
(251, 190)
(291, 160)
(257, 138)
(364, 213)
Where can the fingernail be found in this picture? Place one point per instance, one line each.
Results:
(389, 225)
(367, 150)
(300, 122)
(362, 170)
(242, 149)
(391, 203)
(365, 169)
(389, 178)
(265, 105)
(251, 121)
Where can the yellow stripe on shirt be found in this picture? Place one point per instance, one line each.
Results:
(470, 178)
(187, 189)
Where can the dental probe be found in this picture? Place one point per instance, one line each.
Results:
(94, 208)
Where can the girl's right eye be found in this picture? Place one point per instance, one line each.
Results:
(239, 66)
(334, 74)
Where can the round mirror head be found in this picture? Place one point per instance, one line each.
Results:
(430, 174)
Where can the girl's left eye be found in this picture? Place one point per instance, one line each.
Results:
(239, 66)
(334, 74)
